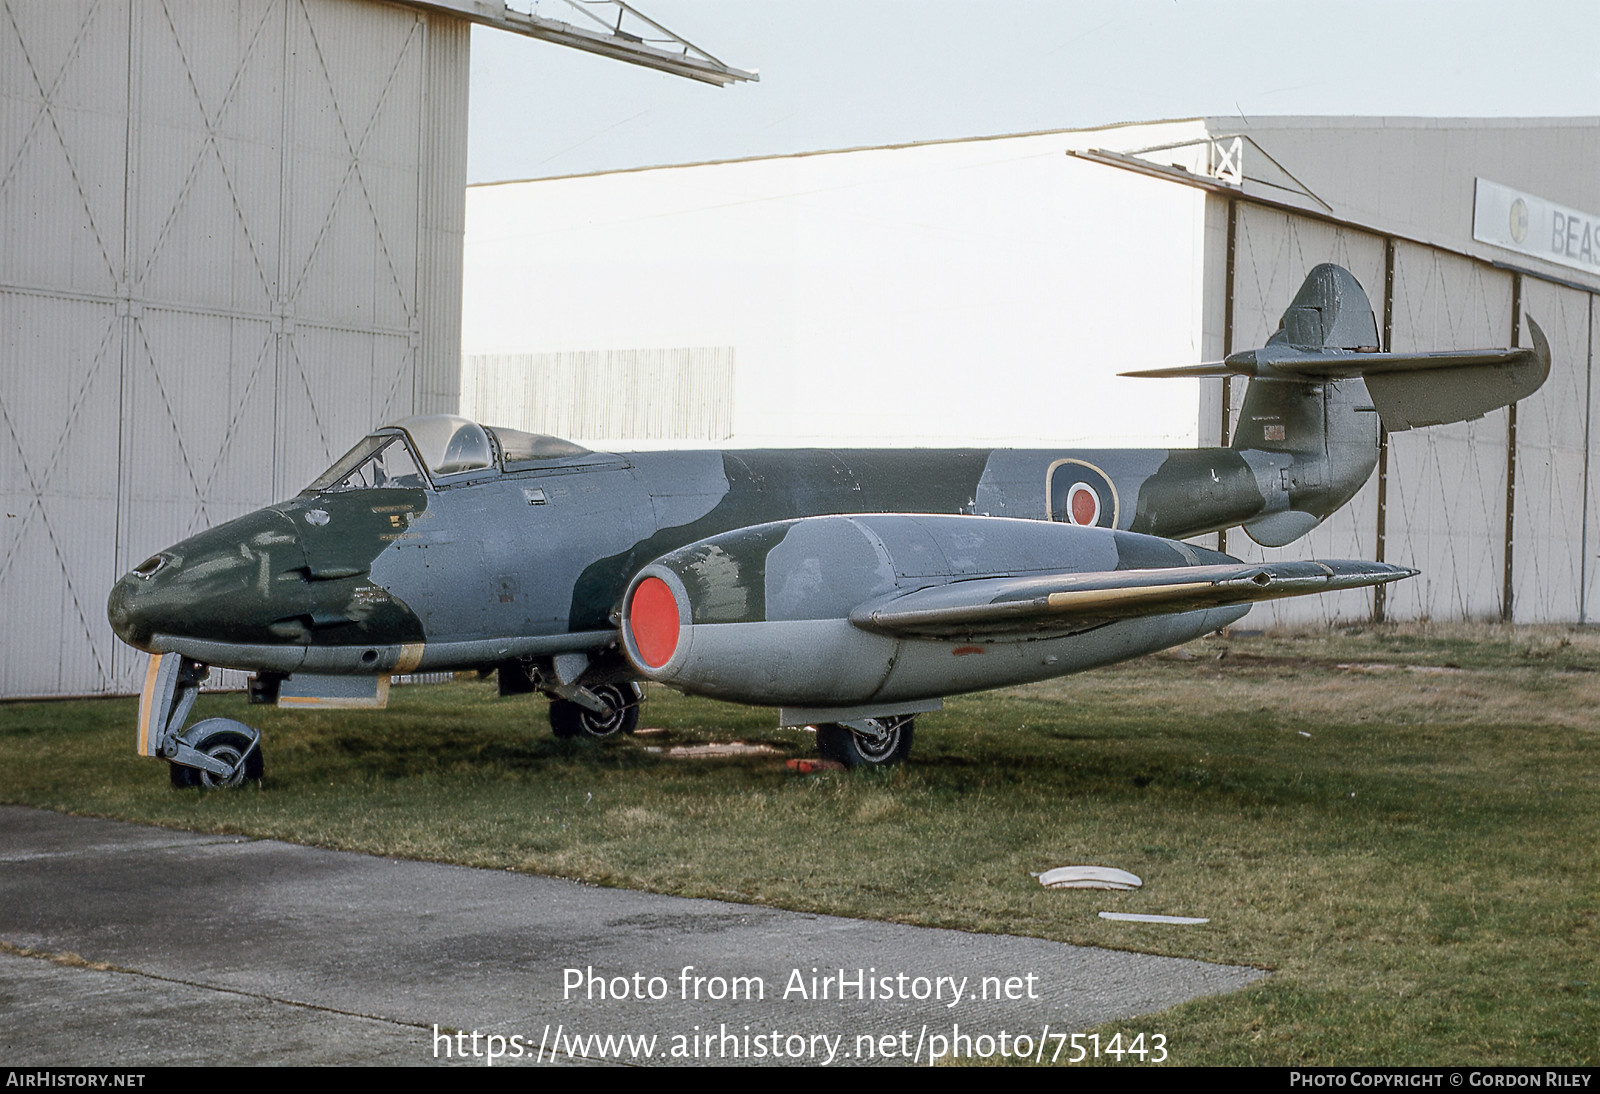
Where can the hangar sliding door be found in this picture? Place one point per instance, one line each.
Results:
(233, 246)
(62, 220)
(1588, 605)
(1447, 484)
(1552, 462)
(1446, 487)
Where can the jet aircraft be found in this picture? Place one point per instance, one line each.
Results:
(853, 590)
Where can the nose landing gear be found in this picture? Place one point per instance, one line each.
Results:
(214, 752)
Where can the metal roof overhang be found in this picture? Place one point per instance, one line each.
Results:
(1297, 202)
(624, 34)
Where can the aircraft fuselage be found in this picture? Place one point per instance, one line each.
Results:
(512, 563)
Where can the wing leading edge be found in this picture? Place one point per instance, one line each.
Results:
(1019, 606)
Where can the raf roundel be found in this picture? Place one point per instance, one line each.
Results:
(1078, 492)
(653, 619)
(1083, 505)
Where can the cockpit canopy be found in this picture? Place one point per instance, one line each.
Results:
(445, 445)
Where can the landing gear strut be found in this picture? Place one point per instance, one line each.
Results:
(603, 708)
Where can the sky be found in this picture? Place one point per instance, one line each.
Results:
(837, 74)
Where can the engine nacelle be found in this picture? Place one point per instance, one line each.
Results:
(761, 615)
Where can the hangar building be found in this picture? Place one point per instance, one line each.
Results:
(232, 244)
(987, 291)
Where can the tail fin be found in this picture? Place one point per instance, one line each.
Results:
(1319, 385)
(1331, 311)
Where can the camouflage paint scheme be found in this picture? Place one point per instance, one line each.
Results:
(479, 574)
(525, 562)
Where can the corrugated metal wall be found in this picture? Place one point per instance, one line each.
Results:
(1446, 487)
(1447, 484)
(233, 245)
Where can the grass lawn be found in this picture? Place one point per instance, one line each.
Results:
(1402, 823)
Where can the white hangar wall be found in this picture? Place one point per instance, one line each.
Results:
(986, 291)
(232, 246)
(969, 292)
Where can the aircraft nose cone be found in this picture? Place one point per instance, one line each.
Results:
(126, 610)
(222, 585)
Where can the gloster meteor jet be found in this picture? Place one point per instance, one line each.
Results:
(852, 590)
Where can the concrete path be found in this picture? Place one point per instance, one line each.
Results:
(123, 945)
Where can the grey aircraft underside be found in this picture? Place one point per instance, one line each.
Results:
(850, 589)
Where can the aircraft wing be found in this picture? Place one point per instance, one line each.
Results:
(1068, 602)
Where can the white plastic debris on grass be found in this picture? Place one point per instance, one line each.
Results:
(1423, 670)
(1135, 917)
(715, 750)
(1089, 877)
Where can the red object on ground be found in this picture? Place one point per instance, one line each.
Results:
(811, 767)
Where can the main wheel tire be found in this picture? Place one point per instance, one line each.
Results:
(226, 745)
(568, 719)
(844, 745)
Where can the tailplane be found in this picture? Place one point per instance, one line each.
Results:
(1328, 333)
(1320, 386)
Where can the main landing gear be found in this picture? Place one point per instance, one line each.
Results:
(587, 698)
(867, 742)
(214, 752)
(621, 714)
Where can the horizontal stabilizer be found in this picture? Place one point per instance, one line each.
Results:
(1022, 605)
(1407, 398)
(1186, 372)
(1408, 389)
(1341, 364)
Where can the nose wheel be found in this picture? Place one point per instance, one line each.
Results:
(231, 752)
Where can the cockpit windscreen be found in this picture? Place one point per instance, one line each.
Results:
(449, 445)
(378, 461)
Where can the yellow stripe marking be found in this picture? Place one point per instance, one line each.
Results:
(147, 699)
(1092, 598)
(410, 657)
